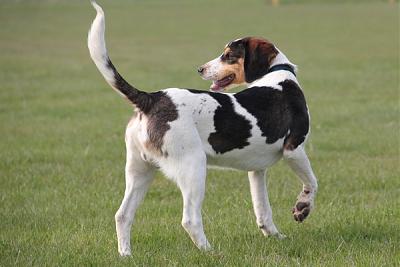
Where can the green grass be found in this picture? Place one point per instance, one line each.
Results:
(62, 134)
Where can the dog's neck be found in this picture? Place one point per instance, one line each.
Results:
(273, 78)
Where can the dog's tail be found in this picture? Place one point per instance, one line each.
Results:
(98, 53)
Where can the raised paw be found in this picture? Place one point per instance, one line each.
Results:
(301, 211)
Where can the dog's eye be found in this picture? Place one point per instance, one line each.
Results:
(228, 57)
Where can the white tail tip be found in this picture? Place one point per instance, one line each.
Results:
(97, 7)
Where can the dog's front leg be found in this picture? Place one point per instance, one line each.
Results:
(300, 164)
(262, 208)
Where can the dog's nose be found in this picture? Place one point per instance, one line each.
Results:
(200, 70)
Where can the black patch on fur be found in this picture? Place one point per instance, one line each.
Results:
(231, 129)
(157, 107)
(277, 112)
(300, 123)
(142, 100)
(159, 115)
(269, 107)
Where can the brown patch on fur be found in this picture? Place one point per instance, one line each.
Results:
(162, 112)
(235, 68)
(258, 57)
(226, 50)
(264, 47)
(288, 146)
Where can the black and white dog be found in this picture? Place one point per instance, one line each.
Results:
(181, 131)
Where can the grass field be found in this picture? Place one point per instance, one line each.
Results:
(62, 134)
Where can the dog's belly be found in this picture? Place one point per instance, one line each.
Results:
(256, 156)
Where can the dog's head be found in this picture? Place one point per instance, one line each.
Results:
(243, 61)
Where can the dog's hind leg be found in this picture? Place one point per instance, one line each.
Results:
(191, 182)
(138, 176)
(262, 208)
(298, 161)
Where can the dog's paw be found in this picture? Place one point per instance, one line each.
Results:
(279, 236)
(303, 206)
(271, 231)
(205, 246)
(276, 235)
(125, 253)
(301, 211)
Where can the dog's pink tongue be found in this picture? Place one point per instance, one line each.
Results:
(215, 87)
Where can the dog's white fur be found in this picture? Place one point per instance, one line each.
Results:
(189, 152)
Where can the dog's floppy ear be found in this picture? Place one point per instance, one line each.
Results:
(259, 54)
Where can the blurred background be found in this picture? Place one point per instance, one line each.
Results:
(62, 132)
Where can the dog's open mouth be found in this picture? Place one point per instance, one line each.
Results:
(219, 86)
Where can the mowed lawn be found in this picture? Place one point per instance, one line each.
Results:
(62, 134)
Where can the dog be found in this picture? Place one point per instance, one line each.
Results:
(182, 131)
